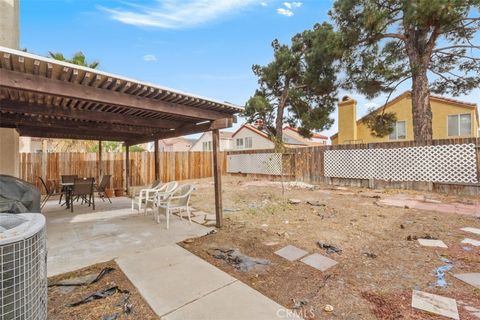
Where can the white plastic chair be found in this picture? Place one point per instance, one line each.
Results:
(153, 197)
(144, 194)
(177, 201)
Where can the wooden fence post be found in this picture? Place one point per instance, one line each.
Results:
(157, 161)
(127, 167)
(99, 160)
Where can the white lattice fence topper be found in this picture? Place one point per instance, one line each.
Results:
(258, 163)
(442, 163)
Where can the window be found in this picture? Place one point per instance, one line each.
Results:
(459, 125)
(207, 146)
(248, 143)
(239, 142)
(399, 131)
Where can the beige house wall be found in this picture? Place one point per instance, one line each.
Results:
(9, 37)
(225, 144)
(258, 141)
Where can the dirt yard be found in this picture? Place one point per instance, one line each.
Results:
(380, 261)
(125, 302)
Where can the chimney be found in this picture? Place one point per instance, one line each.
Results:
(259, 124)
(347, 120)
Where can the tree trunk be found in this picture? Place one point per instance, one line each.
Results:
(279, 123)
(421, 110)
(280, 110)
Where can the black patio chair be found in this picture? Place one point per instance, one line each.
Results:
(66, 179)
(83, 189)
(102, 187)
(48, 192)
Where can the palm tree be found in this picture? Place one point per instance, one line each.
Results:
(78, 59)
(66, 145)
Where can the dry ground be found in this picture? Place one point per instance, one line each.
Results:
(377, 268)
(97, 309)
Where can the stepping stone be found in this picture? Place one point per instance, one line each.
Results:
(433, 303)
(470, 278)
(291, 253)
(210, 217)
(199, 219)
(319, 262)
(210, 223)
(473, 311)
(473, 242)
(432, 243)
(199, 213)
(294, 201)
(472, 230)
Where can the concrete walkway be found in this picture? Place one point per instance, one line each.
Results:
(176, 283)
(180, 285)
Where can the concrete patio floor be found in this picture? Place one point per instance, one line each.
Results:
(175, 283)
(86, 237)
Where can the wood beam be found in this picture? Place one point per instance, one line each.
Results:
(56, 133)
(88, 115)
(188, 129)
(217, 177)
(42, 122)
(33, 83)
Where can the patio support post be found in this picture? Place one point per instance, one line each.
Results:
(127, 167)
(157, 161)
(217, 176)
(99, 163)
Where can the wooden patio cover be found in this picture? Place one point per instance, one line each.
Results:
(46, 98)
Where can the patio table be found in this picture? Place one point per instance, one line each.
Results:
(67, 187)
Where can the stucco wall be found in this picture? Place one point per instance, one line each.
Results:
(403, 109)
(9, 156)
(347, 115)
(9, 37)
(258, 141)
(9, 31)
(225, 144)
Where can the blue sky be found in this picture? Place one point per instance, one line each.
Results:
(206, 47)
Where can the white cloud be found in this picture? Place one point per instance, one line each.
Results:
(285, 12)
(263, 4)
(290, 5)
(149, 57)
(172, 14)
(288, 10)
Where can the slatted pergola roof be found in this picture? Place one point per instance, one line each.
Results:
(41, 97)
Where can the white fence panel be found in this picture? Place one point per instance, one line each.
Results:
(443, 163)
(257, 163)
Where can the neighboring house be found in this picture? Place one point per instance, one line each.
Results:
(179, 144)
(36, 145)
(30, 145)
(205, 142)
(250, 137)
(450, 119)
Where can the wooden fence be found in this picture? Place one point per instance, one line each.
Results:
(301, 164)
(173, 166)
(307, 165)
